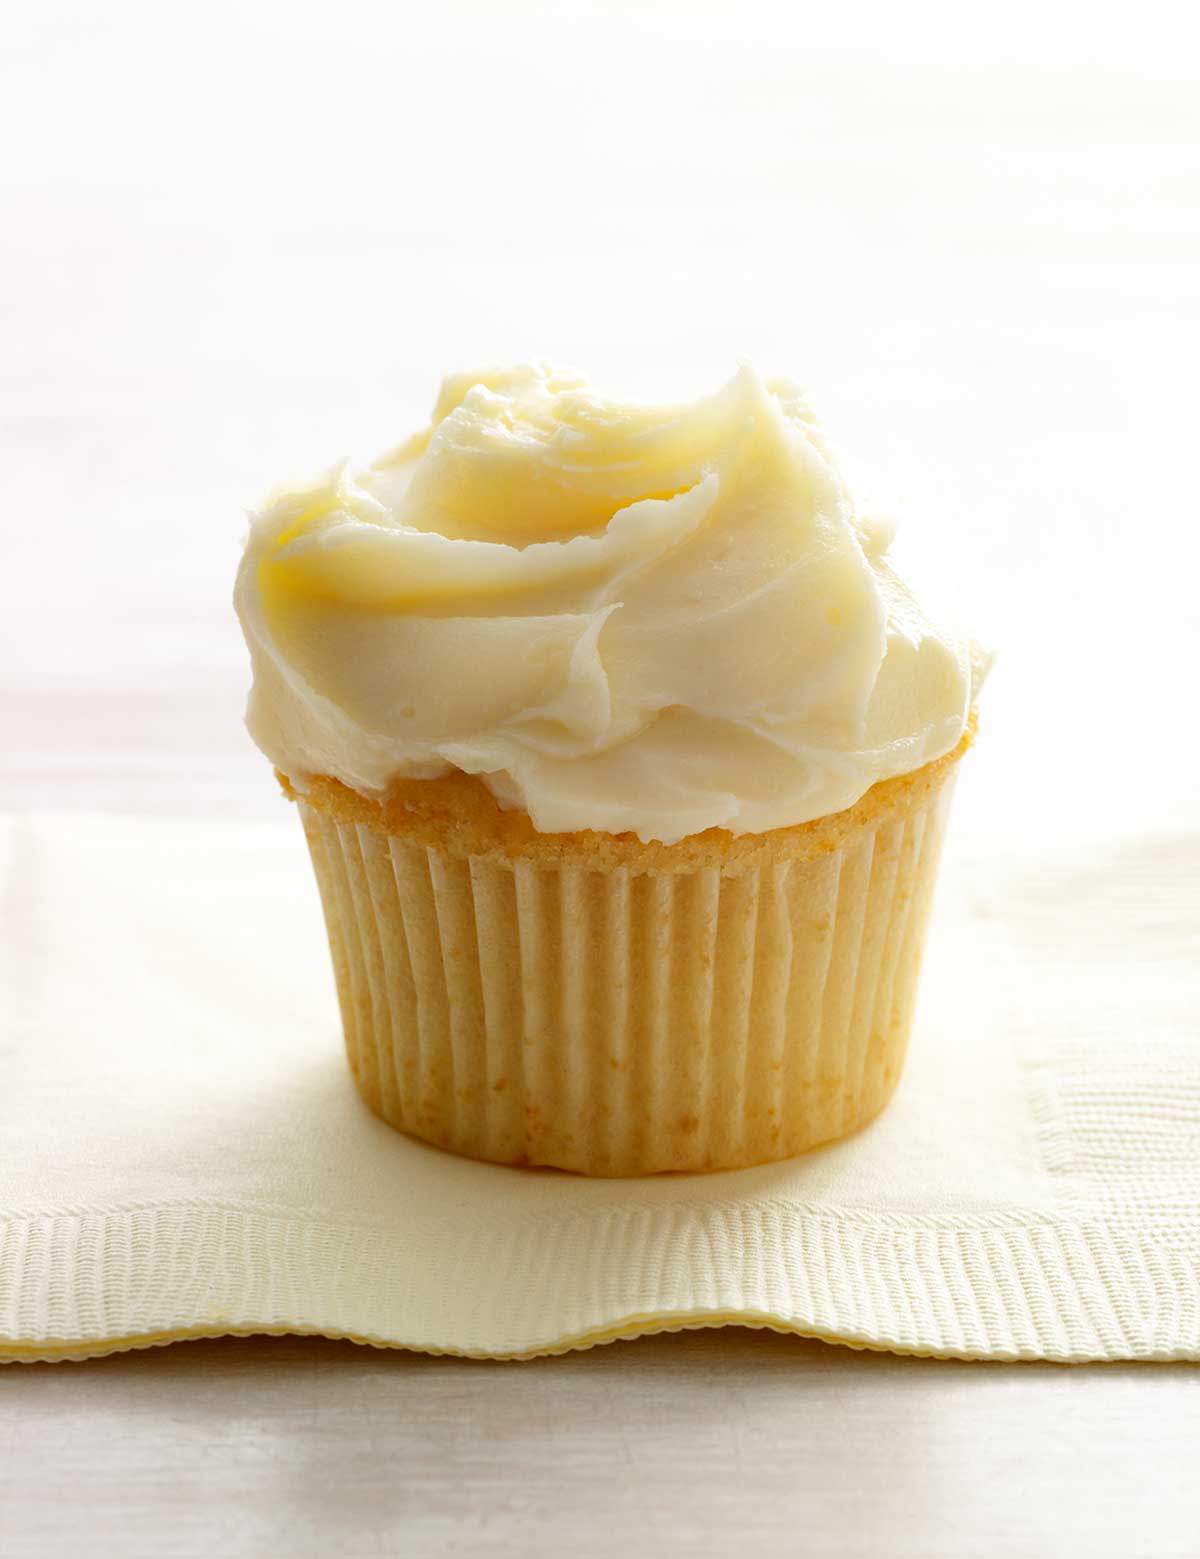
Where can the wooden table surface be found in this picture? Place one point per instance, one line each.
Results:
(244, 240)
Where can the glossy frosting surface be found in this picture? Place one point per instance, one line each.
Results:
(622, 617)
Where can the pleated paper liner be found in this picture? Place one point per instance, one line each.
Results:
(530, 1006)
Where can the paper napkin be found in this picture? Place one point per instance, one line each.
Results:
(182, 1152)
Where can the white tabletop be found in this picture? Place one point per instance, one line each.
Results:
(730, 1442)
(247, 240)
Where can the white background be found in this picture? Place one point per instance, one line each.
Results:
(242, 241)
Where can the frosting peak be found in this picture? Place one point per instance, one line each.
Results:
(621, 617)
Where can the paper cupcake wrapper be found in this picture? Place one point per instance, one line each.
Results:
(616, 1022)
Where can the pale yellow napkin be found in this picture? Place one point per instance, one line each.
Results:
(182, 1152)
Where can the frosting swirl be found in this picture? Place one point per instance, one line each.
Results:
(620, 617)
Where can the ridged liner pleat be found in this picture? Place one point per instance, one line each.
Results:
(619, 1022)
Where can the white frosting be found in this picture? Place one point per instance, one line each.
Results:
(620, 617)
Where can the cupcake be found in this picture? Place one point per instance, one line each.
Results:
(623, 757)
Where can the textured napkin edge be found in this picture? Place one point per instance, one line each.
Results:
(78, 1285)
